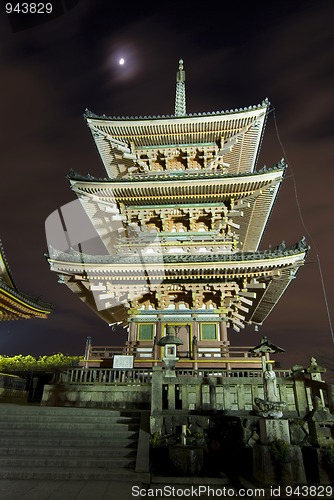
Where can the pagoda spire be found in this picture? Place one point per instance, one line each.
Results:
(180, 97)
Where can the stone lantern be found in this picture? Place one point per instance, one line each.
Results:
(170, 343)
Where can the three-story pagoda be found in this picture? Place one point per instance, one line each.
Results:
(181, 213)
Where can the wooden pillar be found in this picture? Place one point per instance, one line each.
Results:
(194, 341)
(224, 338)
(156, 348)
(132, 336)
(158, 330)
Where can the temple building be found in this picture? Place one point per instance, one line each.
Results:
(13, 303)
(181, 212)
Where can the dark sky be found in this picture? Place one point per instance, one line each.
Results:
(234, 57)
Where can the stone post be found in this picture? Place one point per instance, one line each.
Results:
(300, 394)
(156, 390)
(330, 397)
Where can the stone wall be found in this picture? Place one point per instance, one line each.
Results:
(97, 395)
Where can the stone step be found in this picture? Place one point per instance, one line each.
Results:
(67, 443)
(56, 411)
(74, 474)
(61, 433)
(54, 441)
(83, 416)
(68, 451)
(103, 415)
(6, 409)
(60, 425)
(67, 462)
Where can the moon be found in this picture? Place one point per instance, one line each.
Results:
(121, 61)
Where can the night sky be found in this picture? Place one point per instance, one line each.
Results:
(234, 57)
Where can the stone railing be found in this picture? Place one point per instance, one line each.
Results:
(190, 390)
(138, 375)
(12, 388)
(218, 373)
(104, 376)
(215, 390)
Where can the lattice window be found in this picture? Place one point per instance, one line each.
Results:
(208, 331)
(146, 331)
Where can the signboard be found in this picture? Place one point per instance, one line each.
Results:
(123, 362)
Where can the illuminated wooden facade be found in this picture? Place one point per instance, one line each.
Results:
(181, 213)
(14, 304)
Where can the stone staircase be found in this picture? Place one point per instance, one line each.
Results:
(67, 443)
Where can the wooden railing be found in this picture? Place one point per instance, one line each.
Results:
(200, 352)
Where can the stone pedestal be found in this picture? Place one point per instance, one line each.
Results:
(273, 429)
(269, 471)
(264, 469)
(188, 460)
(170, 363)
(288, 469)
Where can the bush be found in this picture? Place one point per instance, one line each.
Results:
(280, 451)
(42, 363)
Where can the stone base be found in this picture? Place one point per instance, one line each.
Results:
(267, 471)
(188, 460)
(273, 429)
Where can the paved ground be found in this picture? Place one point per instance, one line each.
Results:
(30, 489)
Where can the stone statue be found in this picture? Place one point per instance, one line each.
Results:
(270, 406)
(270, 385)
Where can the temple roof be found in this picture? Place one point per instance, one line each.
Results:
(255, 193)
(276, 257)
(259, 278)
(90, 115)
(235, 134)
(13, 303)
(181, 189)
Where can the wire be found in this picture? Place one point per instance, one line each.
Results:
(306, 230)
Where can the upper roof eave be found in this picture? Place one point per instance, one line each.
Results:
(281, 251)
(90, 115)
(74, 176)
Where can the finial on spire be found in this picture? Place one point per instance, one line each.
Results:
(180, 98)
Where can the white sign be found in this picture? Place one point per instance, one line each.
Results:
(123, 362)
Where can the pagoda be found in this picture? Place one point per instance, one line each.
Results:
(13, 303)
(181, 212)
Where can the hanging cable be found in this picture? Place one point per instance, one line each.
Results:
(306, 230)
